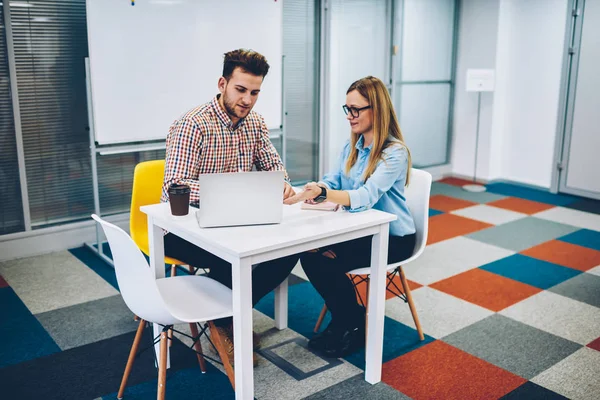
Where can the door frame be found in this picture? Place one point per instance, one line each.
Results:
(566, 110)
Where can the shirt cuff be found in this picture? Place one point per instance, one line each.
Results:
(324, 184)
(354, 199)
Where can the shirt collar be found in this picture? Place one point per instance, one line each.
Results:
(222, 115)
(360, 142)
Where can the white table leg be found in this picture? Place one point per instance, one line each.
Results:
(281, 305)
(242, 328)
(156, 242)
(376, 307)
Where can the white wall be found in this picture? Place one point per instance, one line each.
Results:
(518, 123)
(477, 37)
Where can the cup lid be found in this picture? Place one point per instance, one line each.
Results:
(177, 188)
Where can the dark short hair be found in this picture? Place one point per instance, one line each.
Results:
(248, 60)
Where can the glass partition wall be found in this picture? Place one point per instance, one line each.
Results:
(410, 45)
(328, 44)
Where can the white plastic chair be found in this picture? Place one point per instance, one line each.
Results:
(166, 302)
(417, 195)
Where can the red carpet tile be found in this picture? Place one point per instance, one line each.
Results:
(486, 289)
(595, 344)
(441, 371)
(444, 203)
(448, 226)
(362, 287)
(3, 283)
(521, 205)
(566, 254)
(456, 181)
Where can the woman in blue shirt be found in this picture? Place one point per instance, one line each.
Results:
(372, 172)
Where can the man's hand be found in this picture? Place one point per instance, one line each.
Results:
(311, 190)
(287, 191)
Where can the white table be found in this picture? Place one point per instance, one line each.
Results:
(300, 230)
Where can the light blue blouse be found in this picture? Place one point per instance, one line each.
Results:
(384, 190)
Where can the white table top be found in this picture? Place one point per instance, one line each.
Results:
(297, 226)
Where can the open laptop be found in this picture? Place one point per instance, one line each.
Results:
(240, 198)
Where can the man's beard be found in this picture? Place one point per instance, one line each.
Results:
(230, 108)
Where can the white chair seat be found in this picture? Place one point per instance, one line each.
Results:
(195, 298)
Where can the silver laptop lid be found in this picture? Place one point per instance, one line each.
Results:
(240, 198)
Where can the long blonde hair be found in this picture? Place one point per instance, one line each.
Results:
(385, 125)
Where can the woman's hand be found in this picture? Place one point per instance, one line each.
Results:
(311, 190)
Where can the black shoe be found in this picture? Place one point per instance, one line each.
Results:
(320, 341)
(345, 343)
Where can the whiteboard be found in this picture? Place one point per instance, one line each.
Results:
(152, 62)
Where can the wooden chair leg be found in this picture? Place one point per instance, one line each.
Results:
(173, 270)
(170, 336)
(198, 348)
(411, 304)
(321, 317)
(214, 333)
(131, 359)
(162, 367)
(191, 269)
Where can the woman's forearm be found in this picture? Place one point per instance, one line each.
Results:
(338, 196)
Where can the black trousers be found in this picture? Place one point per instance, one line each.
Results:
(328, 275)
(265, 276)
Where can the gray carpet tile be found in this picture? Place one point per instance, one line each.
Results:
(560, 315)
(356, 388)
(584, 287)
(89, 322)
(53, 281)
(576, 377)
(509, 344)
(451, 257)
(440, 314)
(523, 233)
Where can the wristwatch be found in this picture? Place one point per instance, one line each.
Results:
(322, 197)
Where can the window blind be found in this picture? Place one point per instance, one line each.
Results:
(50, 41)
(50, 44)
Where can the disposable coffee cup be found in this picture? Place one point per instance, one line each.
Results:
(179, 198)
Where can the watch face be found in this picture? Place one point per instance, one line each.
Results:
(322, 197)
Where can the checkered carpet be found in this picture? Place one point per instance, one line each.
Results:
(508, 293)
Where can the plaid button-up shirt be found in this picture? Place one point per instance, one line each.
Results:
(204, 141)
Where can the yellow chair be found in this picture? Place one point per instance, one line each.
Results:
(147, 189)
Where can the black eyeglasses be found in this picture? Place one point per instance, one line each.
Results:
(353, 110)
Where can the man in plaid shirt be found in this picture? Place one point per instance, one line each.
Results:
(225, 135)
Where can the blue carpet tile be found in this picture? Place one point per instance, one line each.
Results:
(531, 194)
(584, 237)
(531, 271)
(531, 391)
(587, 205)
(92, 370)
(433, 212)
(23, 337)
